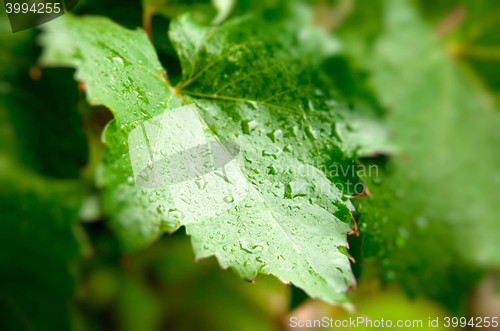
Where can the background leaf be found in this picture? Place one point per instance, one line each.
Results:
(438, 197)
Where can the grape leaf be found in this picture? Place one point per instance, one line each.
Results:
(285, 216)
(439, 196)
(458, 146)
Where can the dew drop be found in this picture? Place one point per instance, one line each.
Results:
(118, 60)
(228, 199)
(160, 209)
(273, 170)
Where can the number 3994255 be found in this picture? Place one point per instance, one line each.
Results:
(35, 8)
(474, 322)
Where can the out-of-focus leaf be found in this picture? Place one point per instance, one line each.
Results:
(454, 131)
(433, 216)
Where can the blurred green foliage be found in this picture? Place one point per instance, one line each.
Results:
(428, 233)
(445, 178)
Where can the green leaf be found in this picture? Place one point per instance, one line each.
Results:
(458, 146)
(433, 216)
(280, 213)
(121, 71)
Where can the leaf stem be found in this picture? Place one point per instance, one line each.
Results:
(147, 16)
(450, 22)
